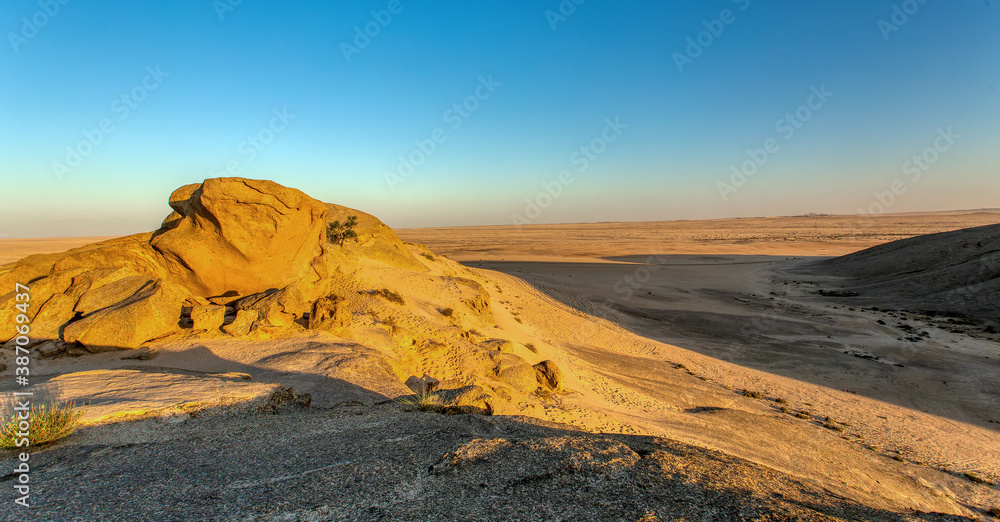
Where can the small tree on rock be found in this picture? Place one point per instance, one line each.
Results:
(338, 232)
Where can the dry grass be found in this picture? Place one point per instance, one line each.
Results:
(48, 423)
(830, 424)
(425, 401)
(390, 295)
(975, 478)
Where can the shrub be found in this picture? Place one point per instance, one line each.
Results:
(995, 512)
(975, 478)
(831, 425)
(430, 257)
(804, 415)
(49, 423)
(390, 295)
(447, 312)
(753, 394)
(338, 232)
(779, 400)
(531, 347)
(424, 401)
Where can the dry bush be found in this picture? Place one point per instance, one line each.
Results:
(49, 423)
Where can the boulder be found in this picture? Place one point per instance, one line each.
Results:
(548, 375)
(329, 314)
(208, 317)
(471, 399)
(241, 235)
(243, 323)
(516, 372)
(51, 348)
(51, 316)
(425, 384)
(276, 308)
(499, 345)
(113, 293)
(150, 313)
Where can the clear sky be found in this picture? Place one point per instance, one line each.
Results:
(107, 106)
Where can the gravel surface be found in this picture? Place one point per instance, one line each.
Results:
(360, 462)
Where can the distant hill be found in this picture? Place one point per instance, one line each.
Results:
(950, 273)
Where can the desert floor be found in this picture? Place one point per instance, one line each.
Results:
(729, 290)
(703, 332)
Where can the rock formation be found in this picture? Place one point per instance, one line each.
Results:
(249, 259)
(240, 235)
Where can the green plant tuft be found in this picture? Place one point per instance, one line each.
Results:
(337, 232)
(425, 401)
(49, 423)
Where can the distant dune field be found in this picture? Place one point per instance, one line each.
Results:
(793, 236)
(14, 249)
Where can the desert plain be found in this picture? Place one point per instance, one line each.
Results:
(700, 370)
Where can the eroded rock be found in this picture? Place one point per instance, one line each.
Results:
(548, 375)
(208, 317)
(243, 323)
(148, 314)
(241, 235)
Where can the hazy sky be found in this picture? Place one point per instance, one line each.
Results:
(449, 113)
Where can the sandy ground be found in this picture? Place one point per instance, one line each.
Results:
(693, 331)
(14, 249)
(783, 236)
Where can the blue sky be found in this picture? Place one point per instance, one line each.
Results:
(185, 89)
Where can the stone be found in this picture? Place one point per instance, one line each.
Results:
(51, 348)
(425, 384)
(55, 312)
(548, 375)
(276, 308)
(499, 345)
(208, 317)
(243, 323)
(283, 398)
(516, 372)
(150, 313)
(329, 314)
(470, 399)
(241, 235)
(113, 293)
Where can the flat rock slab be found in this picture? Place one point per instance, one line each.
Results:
(111, 395)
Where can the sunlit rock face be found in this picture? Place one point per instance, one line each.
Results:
(240, 236)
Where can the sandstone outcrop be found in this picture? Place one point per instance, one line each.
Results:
(241, 235)
(252, 259)
(208, 317)
(150, 313)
